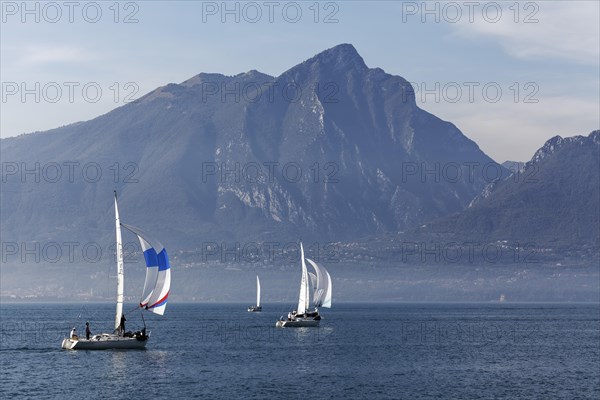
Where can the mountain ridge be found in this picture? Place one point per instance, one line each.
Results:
(552, 202)
(353, 134)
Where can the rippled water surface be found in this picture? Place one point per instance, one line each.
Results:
(370, 351)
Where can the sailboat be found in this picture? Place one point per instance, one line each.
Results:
(257, 307)
(154, 296)
(303, 316)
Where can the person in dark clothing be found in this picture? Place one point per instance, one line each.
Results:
(88, 332)
(122, 324)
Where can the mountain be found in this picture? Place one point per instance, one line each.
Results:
(329, 150)
(552, 205)
(554, 201)
(548, 213)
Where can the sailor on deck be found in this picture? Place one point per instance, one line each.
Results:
(122, 324)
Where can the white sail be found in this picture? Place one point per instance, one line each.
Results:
(151, 271)
(158, 272)
(120, 272)
(257, 291)
(303, 297)
(313, 282)
(321, 284)
(158, 300)
(328, 292)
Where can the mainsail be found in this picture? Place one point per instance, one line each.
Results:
(303, 297)
(120, 272)
(158, 272)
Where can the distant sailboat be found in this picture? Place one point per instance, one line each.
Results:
(257, 307)
(303, 316)
(154, 297)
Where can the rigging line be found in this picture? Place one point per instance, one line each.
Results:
(80, 312)
(134, 308)
(74, 324)
(289, 308)
(285, 304)
(289, 293)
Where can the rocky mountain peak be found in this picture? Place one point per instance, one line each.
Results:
(339, 59)
(556, 143)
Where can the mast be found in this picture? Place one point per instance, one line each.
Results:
(120, 274)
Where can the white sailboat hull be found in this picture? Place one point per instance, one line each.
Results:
(104, 342)
(299, 323)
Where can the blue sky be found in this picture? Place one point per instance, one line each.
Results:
(547, 52)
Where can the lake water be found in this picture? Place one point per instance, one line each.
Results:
(361, 351)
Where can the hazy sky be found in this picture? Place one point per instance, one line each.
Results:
(509, 75)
